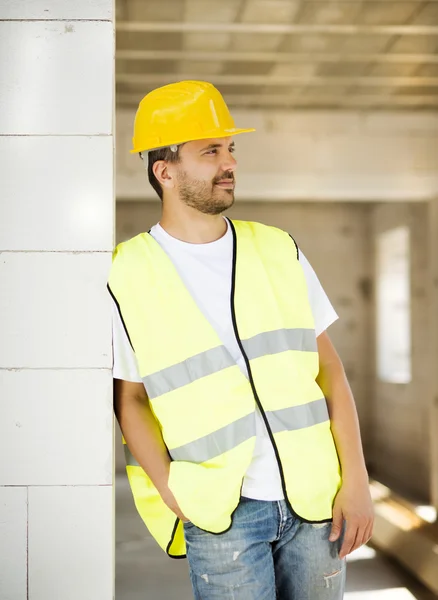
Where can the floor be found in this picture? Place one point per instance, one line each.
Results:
(143, 571)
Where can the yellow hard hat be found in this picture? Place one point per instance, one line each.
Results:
(181, 112)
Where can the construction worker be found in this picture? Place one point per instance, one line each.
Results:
(241, 434)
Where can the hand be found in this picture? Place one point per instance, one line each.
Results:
(169, 500)
(354, 505)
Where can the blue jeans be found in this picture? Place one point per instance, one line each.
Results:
(267, 554)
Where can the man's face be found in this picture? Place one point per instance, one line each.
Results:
(205, 175)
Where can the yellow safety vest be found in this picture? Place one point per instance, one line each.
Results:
(205, 405)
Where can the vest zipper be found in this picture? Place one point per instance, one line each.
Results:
(253, 387)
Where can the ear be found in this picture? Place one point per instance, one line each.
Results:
(161, 172)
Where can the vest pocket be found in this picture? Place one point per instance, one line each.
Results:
(206, 496)
(158, 518)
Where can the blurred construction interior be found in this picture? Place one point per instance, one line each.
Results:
(344, 97)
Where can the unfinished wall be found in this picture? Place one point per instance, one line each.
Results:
(335, 238)
(433, 314)
(315, 155)
(399, 432)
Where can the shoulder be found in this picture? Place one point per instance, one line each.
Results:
(127, 259)
(131, 253)
(269, 234)
(129, 247)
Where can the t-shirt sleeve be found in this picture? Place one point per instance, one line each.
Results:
(125, 363)
(323, 312)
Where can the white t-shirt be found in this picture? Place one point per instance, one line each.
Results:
(206, 271)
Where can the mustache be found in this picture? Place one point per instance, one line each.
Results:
(228, 175)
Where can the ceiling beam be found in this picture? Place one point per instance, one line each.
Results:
(273, 28)
(278, 57)
(165, 78)
(358, 100)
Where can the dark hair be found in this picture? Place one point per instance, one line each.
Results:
(160, 154)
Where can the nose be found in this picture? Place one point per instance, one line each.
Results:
(230, 163)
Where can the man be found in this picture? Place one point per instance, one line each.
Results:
(233, 403)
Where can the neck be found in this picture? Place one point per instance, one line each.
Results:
(189, 225)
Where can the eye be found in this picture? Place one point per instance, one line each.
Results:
(213, 151)
(232, 149)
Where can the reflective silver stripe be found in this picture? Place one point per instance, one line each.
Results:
(298, 417)
(227, 438)
(280, 340)
(130, 460)
(188, 371)
(218, 442)
(217, 359)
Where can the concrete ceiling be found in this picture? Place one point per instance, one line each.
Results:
(308, 54)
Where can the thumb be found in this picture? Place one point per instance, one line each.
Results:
(336, 525)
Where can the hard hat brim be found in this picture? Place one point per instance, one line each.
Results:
(210, 135)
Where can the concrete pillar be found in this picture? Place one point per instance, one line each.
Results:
(433, 254)
(56, 237)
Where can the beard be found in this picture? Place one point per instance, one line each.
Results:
(205, 196)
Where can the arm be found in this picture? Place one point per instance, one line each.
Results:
(353, 502)
(343, 416)
(143, 436)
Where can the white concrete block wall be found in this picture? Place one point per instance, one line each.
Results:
(56, 238)
(73, 526)
(76, 199)
(13, 536)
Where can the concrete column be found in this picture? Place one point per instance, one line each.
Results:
(56, 237)
(433, 254)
